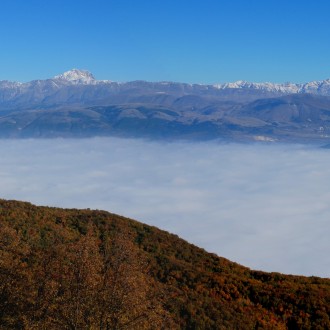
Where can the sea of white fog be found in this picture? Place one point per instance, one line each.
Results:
(264, 206)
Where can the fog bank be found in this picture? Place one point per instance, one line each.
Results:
(264, 206)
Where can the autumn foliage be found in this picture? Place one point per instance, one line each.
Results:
(81, 269)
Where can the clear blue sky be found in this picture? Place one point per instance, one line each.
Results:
(204, 41)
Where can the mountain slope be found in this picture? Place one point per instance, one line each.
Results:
(75, 104)
(43, 250)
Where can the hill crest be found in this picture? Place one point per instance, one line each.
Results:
(195, 289)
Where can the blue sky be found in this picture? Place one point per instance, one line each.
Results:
(205, 41)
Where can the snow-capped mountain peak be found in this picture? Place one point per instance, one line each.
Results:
(286, 88)
(76, 76)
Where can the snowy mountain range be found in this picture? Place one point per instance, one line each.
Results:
(322, 87)
(314, 87)
(76, 104)
(84, 77)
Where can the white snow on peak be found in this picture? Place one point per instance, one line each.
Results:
(77, 77)
(267, 86)
(314, 87)
(9, 84)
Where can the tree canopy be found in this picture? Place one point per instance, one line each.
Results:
(83, 269)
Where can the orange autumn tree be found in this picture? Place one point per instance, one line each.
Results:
(83, 284)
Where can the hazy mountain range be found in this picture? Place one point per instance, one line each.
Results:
(75, 104)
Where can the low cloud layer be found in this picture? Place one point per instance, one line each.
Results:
(264, 206)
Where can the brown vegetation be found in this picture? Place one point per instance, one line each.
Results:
(81, 269)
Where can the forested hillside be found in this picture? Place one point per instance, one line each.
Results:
(83, 269)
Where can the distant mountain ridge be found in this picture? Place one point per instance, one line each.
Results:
(75, 104)
(77, 76)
